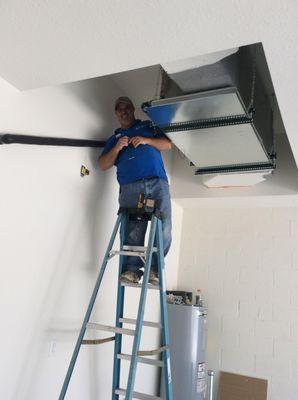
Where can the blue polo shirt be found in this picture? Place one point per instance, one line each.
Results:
(142, 162)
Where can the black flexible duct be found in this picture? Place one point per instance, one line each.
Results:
(8, 138)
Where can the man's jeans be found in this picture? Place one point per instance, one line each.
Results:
(154, 188)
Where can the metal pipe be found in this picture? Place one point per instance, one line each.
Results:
(210, 373)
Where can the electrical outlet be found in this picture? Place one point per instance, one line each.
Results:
(52, 347)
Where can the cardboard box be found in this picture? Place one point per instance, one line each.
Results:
(240, 387)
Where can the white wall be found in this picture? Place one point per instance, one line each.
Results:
(55, 227)
(245, 261)
(53, 231)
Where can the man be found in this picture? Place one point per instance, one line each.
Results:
(135, 151)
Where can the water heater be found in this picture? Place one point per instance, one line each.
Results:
(188, 337)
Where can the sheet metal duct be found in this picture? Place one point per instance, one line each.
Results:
(226, 126)
(204, 72)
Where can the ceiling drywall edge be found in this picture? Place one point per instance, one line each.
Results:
(7, 88)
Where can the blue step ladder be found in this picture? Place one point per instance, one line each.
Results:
(155, 245)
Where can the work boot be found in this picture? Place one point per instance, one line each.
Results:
(153, 278)
(129, 277)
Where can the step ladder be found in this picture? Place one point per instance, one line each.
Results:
(155, 245)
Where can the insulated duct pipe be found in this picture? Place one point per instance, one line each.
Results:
(8, 138)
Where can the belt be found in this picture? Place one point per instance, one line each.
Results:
(148, 179)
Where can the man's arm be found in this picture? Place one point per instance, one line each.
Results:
(159, 143)
(107, 160)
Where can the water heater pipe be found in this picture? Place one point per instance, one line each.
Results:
(210, 373)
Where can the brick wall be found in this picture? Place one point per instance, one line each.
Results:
(245, 261)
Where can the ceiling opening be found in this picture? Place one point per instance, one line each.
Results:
(220, 110)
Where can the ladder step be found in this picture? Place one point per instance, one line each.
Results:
(142, 360)
(145, 323)
(100, 327)
(139, 285)
(138, 395)
(127, 253)
(136, 251)
(138, 248)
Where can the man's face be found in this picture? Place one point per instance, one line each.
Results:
(125, 114)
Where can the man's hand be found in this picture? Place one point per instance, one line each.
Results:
(137, 140)
(122, 142)
(107, 160)
(159, 143)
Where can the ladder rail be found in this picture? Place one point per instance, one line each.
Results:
(141, 309)
(88, 312)
(164, 316)
(119, 313)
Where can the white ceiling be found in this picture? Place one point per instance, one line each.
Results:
(48, 43)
